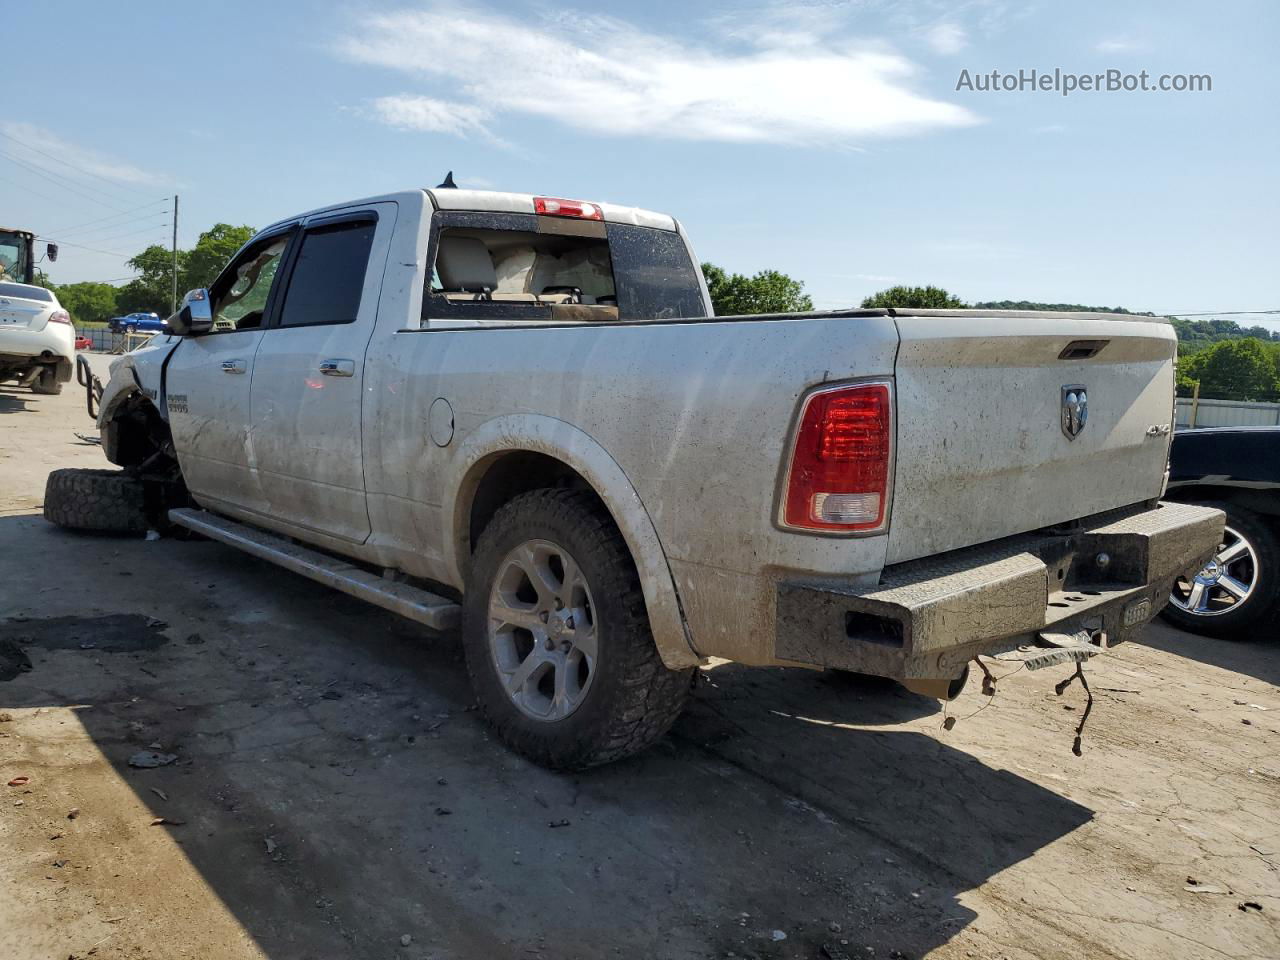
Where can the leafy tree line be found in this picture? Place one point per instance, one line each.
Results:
(152, 289)
(733, 294)
(1229, 361)
(1195, 335)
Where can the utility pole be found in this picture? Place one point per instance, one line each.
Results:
(174, 307)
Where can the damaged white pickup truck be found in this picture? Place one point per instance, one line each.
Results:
(519, 413)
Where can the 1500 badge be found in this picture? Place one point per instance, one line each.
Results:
(177, 402)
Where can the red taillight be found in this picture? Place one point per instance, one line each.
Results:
(59, 316)
(839, 476)
(555, 207)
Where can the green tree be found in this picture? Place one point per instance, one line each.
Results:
(212, 252)
(733, 294)
(152, 289)
(1233, 370)
(88, 302)
(921, 298)
(1061, 307)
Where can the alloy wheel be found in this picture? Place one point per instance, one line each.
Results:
(1224, 583)
(542, 631)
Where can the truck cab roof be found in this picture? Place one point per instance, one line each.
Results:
(497, 201)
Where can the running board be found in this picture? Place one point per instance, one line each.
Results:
(427, 608)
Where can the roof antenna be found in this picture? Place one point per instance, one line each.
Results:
(448, 183)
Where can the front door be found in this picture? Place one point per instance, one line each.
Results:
(308, 377)
(208, 379)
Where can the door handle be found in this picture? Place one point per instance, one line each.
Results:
(234, 366)
(338, 368)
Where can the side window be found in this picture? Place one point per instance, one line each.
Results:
(518, 268)
(240, 295)
(328, 276)
(656, 279)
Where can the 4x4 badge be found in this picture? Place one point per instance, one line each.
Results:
(1075, 409)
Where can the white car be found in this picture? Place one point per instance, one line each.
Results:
(37, 341)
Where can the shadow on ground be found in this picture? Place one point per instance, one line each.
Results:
(339, 792)
(13, 400)
(1255, 658)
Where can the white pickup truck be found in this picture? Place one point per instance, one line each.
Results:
(519, 414)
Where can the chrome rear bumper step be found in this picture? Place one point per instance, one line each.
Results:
(427, 608)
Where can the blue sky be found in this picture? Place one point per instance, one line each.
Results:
(826, 139)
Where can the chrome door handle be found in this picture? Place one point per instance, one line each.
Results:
(234, 366)
(338, 368)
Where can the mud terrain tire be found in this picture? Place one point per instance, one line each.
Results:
(105, 501)
(633, 698)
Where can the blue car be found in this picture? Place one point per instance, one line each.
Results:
(138, 323)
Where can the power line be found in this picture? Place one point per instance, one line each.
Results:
(23, 186)
(149, 228)
(116, 227)
(81, 246)
(57, 182)
(112, 280)
(114, 216)
(68, 163)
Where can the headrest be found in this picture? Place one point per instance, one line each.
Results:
(464, 264)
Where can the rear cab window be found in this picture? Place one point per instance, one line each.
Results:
(24, 291)
(520, 267)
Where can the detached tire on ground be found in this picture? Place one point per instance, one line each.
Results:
(557, 639)
(47, 383)
(105, 501)
(1236, 596)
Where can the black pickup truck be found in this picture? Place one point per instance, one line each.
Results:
(1236, 595)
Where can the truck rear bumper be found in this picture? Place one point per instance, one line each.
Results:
(927, 618)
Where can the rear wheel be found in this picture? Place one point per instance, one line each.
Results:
(106, 501)
(1236, 595)
(557, 638)
(48, 382)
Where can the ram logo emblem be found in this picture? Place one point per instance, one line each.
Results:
(1075, 410)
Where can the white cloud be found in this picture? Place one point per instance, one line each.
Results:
(608, 77)
(36, 145)
(946, 38)
(409, 112)
(1118, 45)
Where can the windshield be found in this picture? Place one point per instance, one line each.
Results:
(15, 255)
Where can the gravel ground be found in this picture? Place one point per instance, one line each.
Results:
(334, 795)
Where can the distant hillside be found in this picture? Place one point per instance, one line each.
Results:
(1061, 307)
(1193, 335)
(1196, 335)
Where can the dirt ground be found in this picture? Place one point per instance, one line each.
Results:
(334, 795)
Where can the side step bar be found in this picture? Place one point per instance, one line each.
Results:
(427, 608)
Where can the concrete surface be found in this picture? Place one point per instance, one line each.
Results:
(337, 795)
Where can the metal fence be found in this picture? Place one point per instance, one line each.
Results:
(107, 341)
(1226, 413)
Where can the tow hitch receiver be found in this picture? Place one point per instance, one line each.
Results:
(1057, 647)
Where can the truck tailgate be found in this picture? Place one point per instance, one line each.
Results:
(982, 449)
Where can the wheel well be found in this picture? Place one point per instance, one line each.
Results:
(139, 438)
(511, 474)
(1264, 502)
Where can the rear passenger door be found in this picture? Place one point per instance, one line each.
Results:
(308, 377)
